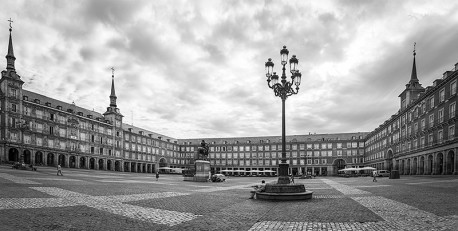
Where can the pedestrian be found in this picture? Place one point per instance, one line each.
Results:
(59, 170)
(157, 176)
(258, 188)
(292, 178)
(374, 174)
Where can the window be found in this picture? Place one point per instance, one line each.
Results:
(430, 139)
(431, 102)
(13, 107)
(441, 95)
(14, 93)
(423, 124)
(440, 136)
(431, 120)
(453, 88)
(451, 132)
(441, 115)
(452, 110)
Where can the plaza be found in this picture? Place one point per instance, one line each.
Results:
(102, 200)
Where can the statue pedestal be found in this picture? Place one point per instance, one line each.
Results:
(202, 170)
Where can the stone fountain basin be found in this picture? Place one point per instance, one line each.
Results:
(284, 192)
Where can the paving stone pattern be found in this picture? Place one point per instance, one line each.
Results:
(99, 200)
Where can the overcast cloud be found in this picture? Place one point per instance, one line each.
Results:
(190, 69)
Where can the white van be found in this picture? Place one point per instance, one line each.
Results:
(381, 173)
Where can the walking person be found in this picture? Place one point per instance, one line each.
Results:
(157, 176)
(374, 174)
(292, 179)
(59, 170)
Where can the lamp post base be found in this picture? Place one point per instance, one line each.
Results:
(283, 177)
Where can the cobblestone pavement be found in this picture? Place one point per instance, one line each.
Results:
(105, 200)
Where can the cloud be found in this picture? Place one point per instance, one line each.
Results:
(196, 68)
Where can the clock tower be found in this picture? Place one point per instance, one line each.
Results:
(114, 115)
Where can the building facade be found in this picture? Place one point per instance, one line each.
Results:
(39, 130)
(319, 154)
(421, 137)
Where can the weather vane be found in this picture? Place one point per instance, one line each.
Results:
(112, 72)
(9, 20)
(414, 44)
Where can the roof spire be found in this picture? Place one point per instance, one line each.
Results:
(113, 93)
(413, 76)
(10, 56)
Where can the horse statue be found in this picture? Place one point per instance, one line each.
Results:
(202, 151)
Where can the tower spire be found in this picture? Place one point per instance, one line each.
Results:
(10, 56)
(113, 93)
(413, 76)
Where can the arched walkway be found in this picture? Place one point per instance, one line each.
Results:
(439, 164)
(422, 165)
(133, 167)
(82, 162)
(126, 166)
(72, 162)
(450, 162)
(407, 170)
(38, 158)
(62, 161)
(430, 165)
(91, 163)
(13, 155)
(109, 165)
(50, 159)
(27, 157)
(101, 165)
(118, 166)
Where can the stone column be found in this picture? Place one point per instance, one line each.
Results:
(444, 164)
(96, 163)
(77, 161)
(455, 164)
(433, 170)
(121, 166)
(45, 158)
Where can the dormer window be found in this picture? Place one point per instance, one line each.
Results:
(25, 97)
(36, 101)
(48, 104)
(59, 107)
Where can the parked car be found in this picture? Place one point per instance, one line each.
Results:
(218, 178)
(381, 173)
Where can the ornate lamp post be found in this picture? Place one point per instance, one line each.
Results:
(283, 89)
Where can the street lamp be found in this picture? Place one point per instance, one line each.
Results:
(283, 89)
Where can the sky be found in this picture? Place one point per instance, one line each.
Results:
(195, 69)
